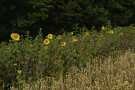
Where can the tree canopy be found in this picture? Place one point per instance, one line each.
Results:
(56, 16)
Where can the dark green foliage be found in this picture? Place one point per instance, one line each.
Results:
(66, 14)
(62, 15)
(120, 11)
(58, 16)
(20, 16)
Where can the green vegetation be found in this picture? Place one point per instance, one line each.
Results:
(114, 74)
(45, 38)
(29, 59)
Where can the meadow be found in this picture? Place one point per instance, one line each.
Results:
(80, 61)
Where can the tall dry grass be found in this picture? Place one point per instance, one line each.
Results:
(112, 74)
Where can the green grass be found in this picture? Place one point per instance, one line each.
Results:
(36, 62)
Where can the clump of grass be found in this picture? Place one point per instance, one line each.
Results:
(114, 73)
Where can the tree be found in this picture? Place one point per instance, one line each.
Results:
(65, 14)
(20, 16)
(119, 11)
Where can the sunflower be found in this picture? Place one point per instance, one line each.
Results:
(49, 36)
(110, 32)
(46, 47)
(74, 39)
(63, 43)
(71, 33)
(102, 28)
(46, 41)
(59, 37)
(15, 36)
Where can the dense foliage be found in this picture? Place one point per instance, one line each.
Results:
(28, 59)
(56, 16)
(21, 16)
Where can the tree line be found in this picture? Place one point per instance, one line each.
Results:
(57, 16)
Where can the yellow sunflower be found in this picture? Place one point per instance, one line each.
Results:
(110, 32)
(46, 47)
(74, 39)
(49, 36)
(63, 43)
(102, 28)
(59, 37)
(15, 36)
(46, 41)
(71, 33)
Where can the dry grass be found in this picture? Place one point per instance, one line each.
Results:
(113, 74)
